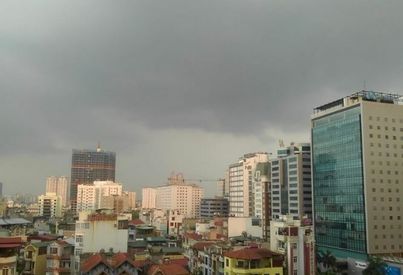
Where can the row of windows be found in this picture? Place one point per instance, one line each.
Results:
(392, 246)
(385, 119)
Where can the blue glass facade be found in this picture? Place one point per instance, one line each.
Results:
(339, 210)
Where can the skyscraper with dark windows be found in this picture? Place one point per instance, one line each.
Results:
(88, 166)
(357, 159)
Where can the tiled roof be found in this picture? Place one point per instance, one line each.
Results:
(193, 236)
(250, 253)
(92, 262)
(114, 262)
(10, 242)
(119, 258)
(168, 269)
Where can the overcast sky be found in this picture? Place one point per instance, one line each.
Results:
(179, 85)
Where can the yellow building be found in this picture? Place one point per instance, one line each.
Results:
(35, 258)
(253, 260)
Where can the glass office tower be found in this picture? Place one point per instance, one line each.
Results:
(357, 157)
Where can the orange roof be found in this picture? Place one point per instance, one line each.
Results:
(10, 242)
(92, 262)
(250, 253)
(168, 269)
(193, 236)
(119, 258)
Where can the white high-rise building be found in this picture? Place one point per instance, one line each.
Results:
(89, 197)
(149, 197)
(60, 186)
(50, 205)
(240, 183)
(182, 196)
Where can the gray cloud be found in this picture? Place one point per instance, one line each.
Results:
(73, 73)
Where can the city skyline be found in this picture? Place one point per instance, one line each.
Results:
(186, 86)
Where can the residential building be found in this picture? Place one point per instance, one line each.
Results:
(240, 180)
(60, 256)
(50, 205)
(245, 225)
(357, 156)
(212, 259)
(295, 240)
(214, 207)
(9, 247)
(175, 222)
(253, 260)
(91, 196)
(261, 191)
(131, 199)
(291, 188)
(91, 229)
(113, 264)
(60, 186)
(149, 197)
(88, 166)
(180, 195)
(35, 258)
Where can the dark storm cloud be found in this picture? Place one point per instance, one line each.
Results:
(73, 72)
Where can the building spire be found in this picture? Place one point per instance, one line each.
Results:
(98, 147)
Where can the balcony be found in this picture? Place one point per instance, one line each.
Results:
(8, 260)
(260, 270)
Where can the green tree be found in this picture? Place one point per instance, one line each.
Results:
(376, 266)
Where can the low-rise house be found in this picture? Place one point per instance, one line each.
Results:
(193, 254)
(60, 256)
(212, 259)
(16, 226)
(9, 247)
(253, 260)
(114, 264)
(35, 258)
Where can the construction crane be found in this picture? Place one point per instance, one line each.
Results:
(177, 178)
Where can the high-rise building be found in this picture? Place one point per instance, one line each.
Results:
(149, 196)
(291, 188)
(88, 166)
(91, 197)
(50, 205)
(180, 195)
(60, 186)
(240, 181)
(214, 207)
(357, 156)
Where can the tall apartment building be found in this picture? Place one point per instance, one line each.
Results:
(262, 197)
(180, 195)
(357, 147)
(149, 197)
(240, 181)
(91, 197)
(291, 188)
(88, 166)
(60, 186)
(50, 205)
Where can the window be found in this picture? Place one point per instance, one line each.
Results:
(53, 250)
